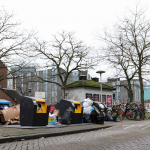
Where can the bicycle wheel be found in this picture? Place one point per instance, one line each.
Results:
(138, 115)
(129, 115)
(118, 116)
(146, 117)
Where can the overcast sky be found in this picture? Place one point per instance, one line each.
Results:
(81, 16)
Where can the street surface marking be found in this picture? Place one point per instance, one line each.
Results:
(146, 127)
(129, 126)
(140, 125)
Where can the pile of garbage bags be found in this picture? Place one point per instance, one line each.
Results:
(92, 112)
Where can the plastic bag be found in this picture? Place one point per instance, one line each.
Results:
(87, 102)
(86, 118)
(100, 118)
(97, 116)
(109, 117)
(87, 110)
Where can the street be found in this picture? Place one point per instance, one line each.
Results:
(125, 135)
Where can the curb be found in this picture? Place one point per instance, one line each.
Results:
(37, 136)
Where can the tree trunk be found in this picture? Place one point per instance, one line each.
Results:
(131, 96)
(142, 89)
(130, 91)
(64, 92)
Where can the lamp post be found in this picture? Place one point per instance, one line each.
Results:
(100, 72)
(29, 90)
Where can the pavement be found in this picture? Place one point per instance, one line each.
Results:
(9, 133)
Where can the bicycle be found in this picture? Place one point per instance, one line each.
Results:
(129, 112)
(145, 113)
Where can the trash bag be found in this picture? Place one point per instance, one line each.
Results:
(87, 110)
(109, 117)
(100, 118)
(93, 116)
(67, 117)
(86, 118)
(97, 116)
(114, 118)
(87, 106)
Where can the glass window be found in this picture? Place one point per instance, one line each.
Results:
(118, 88)
(118, 95)
(43, 86)
(73, 78)
(55, 87)
(52, 99)
(55, 93)
(52, 93)
(35, 87)
(113, 84)
(52, 86)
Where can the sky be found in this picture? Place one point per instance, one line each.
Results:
(84, 17)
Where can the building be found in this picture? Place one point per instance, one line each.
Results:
(22, 78)
(82, 89)
(3, 75)
(121, 94)
(29, 82)
(7, 91)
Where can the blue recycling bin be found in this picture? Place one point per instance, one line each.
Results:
(4, 104)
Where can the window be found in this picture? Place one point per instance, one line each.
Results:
(54, 92)
(118, 95)
(118, 88)
(113, 84)
(54, 71)
(10, 83)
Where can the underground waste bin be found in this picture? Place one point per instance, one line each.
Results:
(33, 111)
(75, 106)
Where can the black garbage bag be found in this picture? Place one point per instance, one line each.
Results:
(67, 117)
(100, 118)
(93, 116)
(97, 116)
(109, 117)
(86, 118)
(114, 118)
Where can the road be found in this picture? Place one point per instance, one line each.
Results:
(125, 135)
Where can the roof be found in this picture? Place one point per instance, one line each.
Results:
(88, 83)
(12, 94)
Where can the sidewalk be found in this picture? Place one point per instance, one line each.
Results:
(16, 132)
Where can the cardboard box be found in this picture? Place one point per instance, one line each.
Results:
(56, 112)
(10, 113)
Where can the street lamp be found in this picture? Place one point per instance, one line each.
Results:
(100, 72)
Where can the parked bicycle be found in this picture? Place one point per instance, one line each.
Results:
(129, 112)
(138, 105)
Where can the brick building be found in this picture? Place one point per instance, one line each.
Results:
(7, 91)
(3, 74)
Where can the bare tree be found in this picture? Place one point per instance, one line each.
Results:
(13, 43)
(66, 54)
(128, 46)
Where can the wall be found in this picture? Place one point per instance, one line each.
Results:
(79, 93)
(3, 71)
